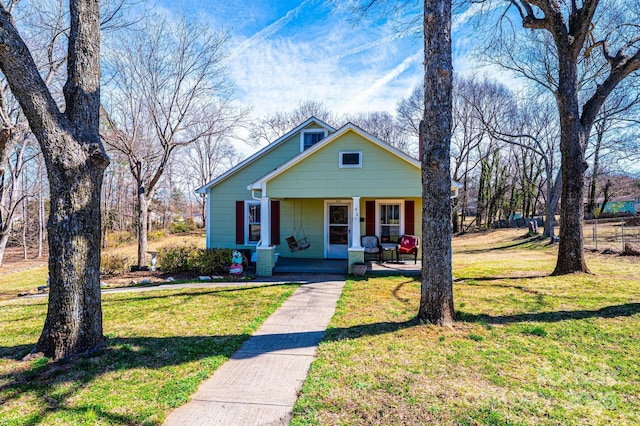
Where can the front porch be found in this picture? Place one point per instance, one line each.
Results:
(289, 265)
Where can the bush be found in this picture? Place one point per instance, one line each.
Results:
(190, 224)
(112, 264)
(192, 259)
(178, 228)
(155, 235)
(212, 261)
(119, 238)
(176, 259)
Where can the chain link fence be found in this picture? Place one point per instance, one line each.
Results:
(611, 234)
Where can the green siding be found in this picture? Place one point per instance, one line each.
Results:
(382, 175)
(302, 190)
(222, 197)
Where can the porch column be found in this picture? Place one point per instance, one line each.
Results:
(265, 220)
(355, 227)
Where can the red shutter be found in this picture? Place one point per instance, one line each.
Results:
(409, 217)
(275, 222)
(239, 222)
(370, 220)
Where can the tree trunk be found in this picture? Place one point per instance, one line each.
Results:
(593, 187)
(74, 263)
(436, 298)
(572, 140)
(143, 226)
(455, 218)
(4, 238)
(72, 150)
(41, 218)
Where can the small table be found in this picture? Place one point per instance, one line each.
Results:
(388, 247)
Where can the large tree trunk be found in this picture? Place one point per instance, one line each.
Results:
(572, 140)
(71, 146)
(436, 298)
(74, 263)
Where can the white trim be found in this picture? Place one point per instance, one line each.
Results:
(350, 166)
(207, 219)
(327, 203)
(262, 152)
(324, 142)
(247, 203)
(304, 132)
(401, 213)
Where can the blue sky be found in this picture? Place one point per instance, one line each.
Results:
(286, 52)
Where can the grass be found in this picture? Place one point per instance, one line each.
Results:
(24, 281)
(161, 345)
(527, 349)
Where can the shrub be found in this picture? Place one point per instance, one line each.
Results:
(155, 235)
(112, 264)
(176, 259)
(211, 261)
(178, 228)
(119, 238)
(192, 259)
(190, 224)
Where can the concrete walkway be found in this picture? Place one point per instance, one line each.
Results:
(259, 384)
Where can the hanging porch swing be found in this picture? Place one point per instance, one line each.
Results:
(298, 240)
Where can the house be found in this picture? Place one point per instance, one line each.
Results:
(330, 186)
(619, 205)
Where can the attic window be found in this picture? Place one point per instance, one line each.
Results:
(350, 159)
(311, 137)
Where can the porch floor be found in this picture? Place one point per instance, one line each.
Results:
(288, 265)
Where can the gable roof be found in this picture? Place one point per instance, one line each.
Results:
(203, 189)
(257, 185)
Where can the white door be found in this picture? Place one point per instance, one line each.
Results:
(338, 232)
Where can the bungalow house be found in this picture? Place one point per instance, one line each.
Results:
(328, 186)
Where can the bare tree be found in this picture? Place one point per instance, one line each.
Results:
(271, 127)
(168, 79)
(76, 161)
(384, 126)
(583, 57)
(210, 156)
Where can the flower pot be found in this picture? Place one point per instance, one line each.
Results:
(359, 269)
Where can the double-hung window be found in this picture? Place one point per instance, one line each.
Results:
(389, 223)
(253, 222)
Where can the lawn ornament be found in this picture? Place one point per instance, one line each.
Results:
(236, 263)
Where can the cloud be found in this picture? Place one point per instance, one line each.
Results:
(270, 30)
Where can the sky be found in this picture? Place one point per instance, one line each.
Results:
(282, 53)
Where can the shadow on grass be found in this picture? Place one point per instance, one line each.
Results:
(625, 310)
(169, 292)
(379, 328)
(57, 384)
(490, 249)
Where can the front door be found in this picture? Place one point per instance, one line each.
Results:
(338, 230)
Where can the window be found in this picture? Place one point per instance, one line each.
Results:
(350, 159)
(389, 223)
(311, 137)
(253, 223)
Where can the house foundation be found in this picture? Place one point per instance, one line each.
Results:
(266, 261)
(355, 255)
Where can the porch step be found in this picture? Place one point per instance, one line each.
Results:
(287, 266)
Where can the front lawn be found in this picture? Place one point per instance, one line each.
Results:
(161, 345)
(527, 348)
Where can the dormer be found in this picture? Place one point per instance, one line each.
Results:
(310, 137)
